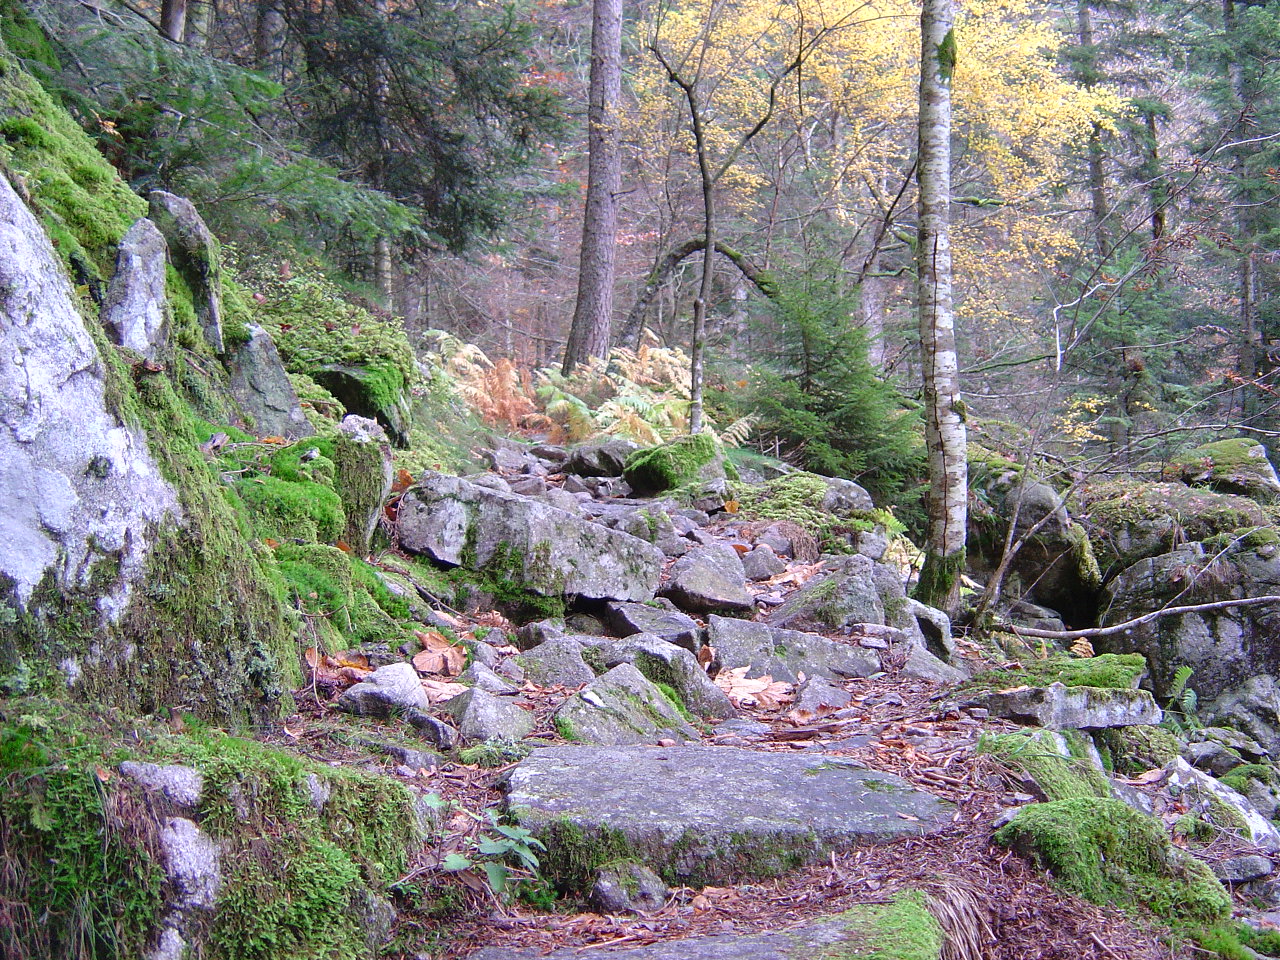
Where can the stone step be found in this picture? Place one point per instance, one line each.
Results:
(703, 814)
(900, 928)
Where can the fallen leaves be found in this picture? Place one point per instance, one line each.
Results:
(341, 670)
(438, 655)
(441, 690)
(763, 692)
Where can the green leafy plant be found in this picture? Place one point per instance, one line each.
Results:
(1180, 715)
(499, 853)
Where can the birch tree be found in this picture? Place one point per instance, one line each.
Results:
(593, 310)
(944, 412)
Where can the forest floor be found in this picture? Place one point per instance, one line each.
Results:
(895, 724)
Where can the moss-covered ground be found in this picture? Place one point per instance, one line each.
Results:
(1118, 671)
(80, 839)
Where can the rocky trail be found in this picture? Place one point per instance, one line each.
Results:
(826, 788)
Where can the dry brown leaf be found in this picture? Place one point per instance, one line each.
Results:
(438, 655)
(764, 692)
(438, 690)
(1151, 776)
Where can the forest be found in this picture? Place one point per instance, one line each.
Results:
(589, 479)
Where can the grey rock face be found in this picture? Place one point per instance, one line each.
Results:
(364, 465)
(483, 678)
(662, 620)
(557, 661)
(600, 459)
(1243, 869)
(482, 716)
(350, 384)
(180, 785)
(196, 256)
(627, 888)
(432, 729)
(762, 563)
(555, 552)
(717, 814)
(1252, 708)
(818, 694)
(664, 662)
(709, 578)
(79, 487)
(621, 707)
(385, 691)
(262, 388)
(844, 497)
(191, 862)
(1058, 707)
(785, 654)
(1230, 651)
(1199, 792)
(135, 310)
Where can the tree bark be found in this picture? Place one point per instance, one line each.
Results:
(593, 310)
(1087, 76)
(944, 412)
(173, 20)
(633, 324)
(268, 39)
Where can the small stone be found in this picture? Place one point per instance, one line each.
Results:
(191, 862)
(181, 785)
(1242, 869)
(483, 678)
(627, 888)
(557, 662)
(709, 578)
(432, 729)
(762, 563)
(386, 690)
(482, 716)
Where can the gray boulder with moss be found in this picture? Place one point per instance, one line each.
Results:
(1216, 803)
(1252, 707)
(1131, 521)
(621, 707)
(136, 310)
(481, 716)
(196, 255)
(785, 654)
(1226, 648)
(674, 464)
(1059, 707)
(659, 618)
(604, 459)
(1237, 465)
(362, 456)
(699, 815)
(666, 663)
(708, 578)
(263, 390)
(557, 661)
(1056, 565)
(526, 541)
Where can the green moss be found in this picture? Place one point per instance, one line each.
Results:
(293, 870)
(75, 192)
(1110, 853)
(362, 482)
(573, 854)
(281, 509)
(677, 703)
(338, 595)
(669, 465)
(564, 726)
(1116, 671)
(1139, 748)
(1057, 777)
(902, 929)
(494, 753)
(939, 579)
(1238, 779)
(797, 497)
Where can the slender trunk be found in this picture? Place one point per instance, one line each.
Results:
(268, 39)
(1247, 341)
(593, 310)
(944, 412)
(1159, 190)
(871, 304)
(173, 20)
(1087, 76)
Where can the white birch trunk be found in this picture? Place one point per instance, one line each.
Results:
(944, 412)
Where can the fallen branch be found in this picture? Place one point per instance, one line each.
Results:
(1138, 621)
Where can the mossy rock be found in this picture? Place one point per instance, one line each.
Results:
(670, 465)
(1115, 671)
(1062, 766)
(1109, 853)
(303, 846)
(1137, 749)
(798, 497)
(1130, 521)
(1238, 465)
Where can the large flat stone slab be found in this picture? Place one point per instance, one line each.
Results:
(903, 928)
(697, 814)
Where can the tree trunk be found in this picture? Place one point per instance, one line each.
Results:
(1087, 76)
(944, 412)
(593, 310)
(268, 39)
(173, 20)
